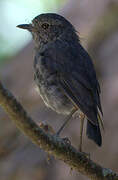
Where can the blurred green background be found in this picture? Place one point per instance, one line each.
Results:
(12, 13)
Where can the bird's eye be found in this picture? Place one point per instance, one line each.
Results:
(45, 26)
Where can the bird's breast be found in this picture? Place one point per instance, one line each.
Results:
(50, 89)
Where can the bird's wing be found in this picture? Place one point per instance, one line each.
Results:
(76, 76)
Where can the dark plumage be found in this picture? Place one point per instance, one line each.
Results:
(64, 72)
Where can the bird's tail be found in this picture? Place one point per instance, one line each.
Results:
(93, 132)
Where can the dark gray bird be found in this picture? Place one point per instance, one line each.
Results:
(64, 72)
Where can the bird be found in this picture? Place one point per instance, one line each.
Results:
(65, 74)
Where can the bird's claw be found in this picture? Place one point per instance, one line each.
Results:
(66, 140)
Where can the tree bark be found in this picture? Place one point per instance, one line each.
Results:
(52, 144)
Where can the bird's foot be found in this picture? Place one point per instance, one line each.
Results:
(66, 140)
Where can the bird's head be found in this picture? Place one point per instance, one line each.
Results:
(48, 27)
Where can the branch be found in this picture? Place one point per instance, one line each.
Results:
(50, 143)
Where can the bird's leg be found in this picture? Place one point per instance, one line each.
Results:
(82, 117)
(66, 121)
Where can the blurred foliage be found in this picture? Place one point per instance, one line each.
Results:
(14, 12)
(4, 54)
(106, 25)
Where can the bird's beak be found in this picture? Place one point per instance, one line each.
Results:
(25, 26)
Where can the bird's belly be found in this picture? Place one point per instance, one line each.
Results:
(52, 94)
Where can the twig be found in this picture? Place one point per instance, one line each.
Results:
(50, 143)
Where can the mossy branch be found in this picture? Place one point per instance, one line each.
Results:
(50, 143)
